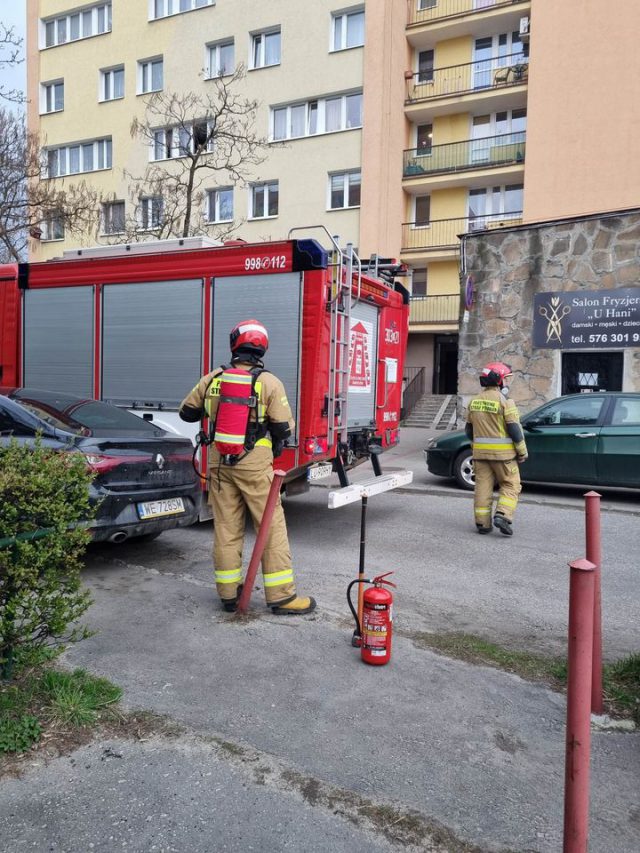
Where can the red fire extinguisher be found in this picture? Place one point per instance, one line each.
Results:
(377, 620)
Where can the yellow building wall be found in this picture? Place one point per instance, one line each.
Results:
(308, 70)
(443, 278)
(451, 128)
(449, 203)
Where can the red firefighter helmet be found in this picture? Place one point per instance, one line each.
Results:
(250, 335)
(494, 374)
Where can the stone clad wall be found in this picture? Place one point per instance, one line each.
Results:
(510, 266)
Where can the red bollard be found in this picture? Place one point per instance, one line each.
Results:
(594, 555)
(261, 541)
(578, 738)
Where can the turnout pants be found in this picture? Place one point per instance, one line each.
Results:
(233, 490)
(488, 472)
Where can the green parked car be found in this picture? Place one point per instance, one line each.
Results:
(586, 439)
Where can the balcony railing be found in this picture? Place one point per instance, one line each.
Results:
(427, 11)
(434, 309)
(507, 149)
(443, 233)
(470, 77)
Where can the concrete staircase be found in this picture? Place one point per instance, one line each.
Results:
(433, 411)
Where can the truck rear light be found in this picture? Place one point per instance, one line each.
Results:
(393, 437)
(315, 446)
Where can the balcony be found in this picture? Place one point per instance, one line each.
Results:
(435, 310)
(441, 234)
(507, 149)
(470, 78)
(428, 11)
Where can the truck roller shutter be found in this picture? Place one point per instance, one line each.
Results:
(58, 339)
(151, 341)
(274, 300)
(363, 364)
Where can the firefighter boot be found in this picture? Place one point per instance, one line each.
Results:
(482, 529)
(503, 524)
(296, 607)
(231, 604)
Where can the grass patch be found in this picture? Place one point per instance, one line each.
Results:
(45, 698)
(621, 680)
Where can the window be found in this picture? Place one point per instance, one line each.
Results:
(112, 83)
(220, 59)
(150, 212)
(78, 157)
(427, 4)
(423, 210)
(491, 204)
(150, 76)
(494, 52)
(626, 411)
(53, 227)
(344, 190)
(52, 97)
(220, 205)
(165, 8)
(419, 283)
(425, 66)
(113, 217)
(424, 139)
(265, 49)
(171, 142)
(348, 29)
(77, 25)
(583, 411)
(325, 115)
(263, 200)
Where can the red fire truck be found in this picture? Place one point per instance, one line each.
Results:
(137, 325)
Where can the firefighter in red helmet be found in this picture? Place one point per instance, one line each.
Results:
(498, 447)
(241, 482)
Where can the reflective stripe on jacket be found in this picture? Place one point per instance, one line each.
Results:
(488, 414)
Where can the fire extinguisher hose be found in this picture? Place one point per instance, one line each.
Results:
(351, 607)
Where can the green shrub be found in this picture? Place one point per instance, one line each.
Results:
(44, 497)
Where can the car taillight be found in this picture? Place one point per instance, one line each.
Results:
(315, 446)
(101, 463)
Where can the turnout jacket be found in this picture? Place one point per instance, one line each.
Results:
(493, 425)
(274, 411)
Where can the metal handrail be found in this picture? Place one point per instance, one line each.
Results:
(444, 233)
(478, 76)
(440, 9)
(506, 149)
(413, 391)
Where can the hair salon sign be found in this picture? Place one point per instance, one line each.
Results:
(587, 319)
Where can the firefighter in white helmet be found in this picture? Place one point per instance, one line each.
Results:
(245, 484)
(498, 448)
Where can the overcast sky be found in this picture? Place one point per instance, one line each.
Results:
(13, 13)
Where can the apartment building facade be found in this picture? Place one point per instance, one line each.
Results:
(93, 68)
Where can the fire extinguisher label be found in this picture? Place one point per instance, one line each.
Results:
(375, 628)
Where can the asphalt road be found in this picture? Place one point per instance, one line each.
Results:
(291, 743)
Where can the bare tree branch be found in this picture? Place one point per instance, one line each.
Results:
(10, 56)
(28, 199)
(196, 143)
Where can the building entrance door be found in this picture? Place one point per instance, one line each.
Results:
(445, 373)
(591, 371)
